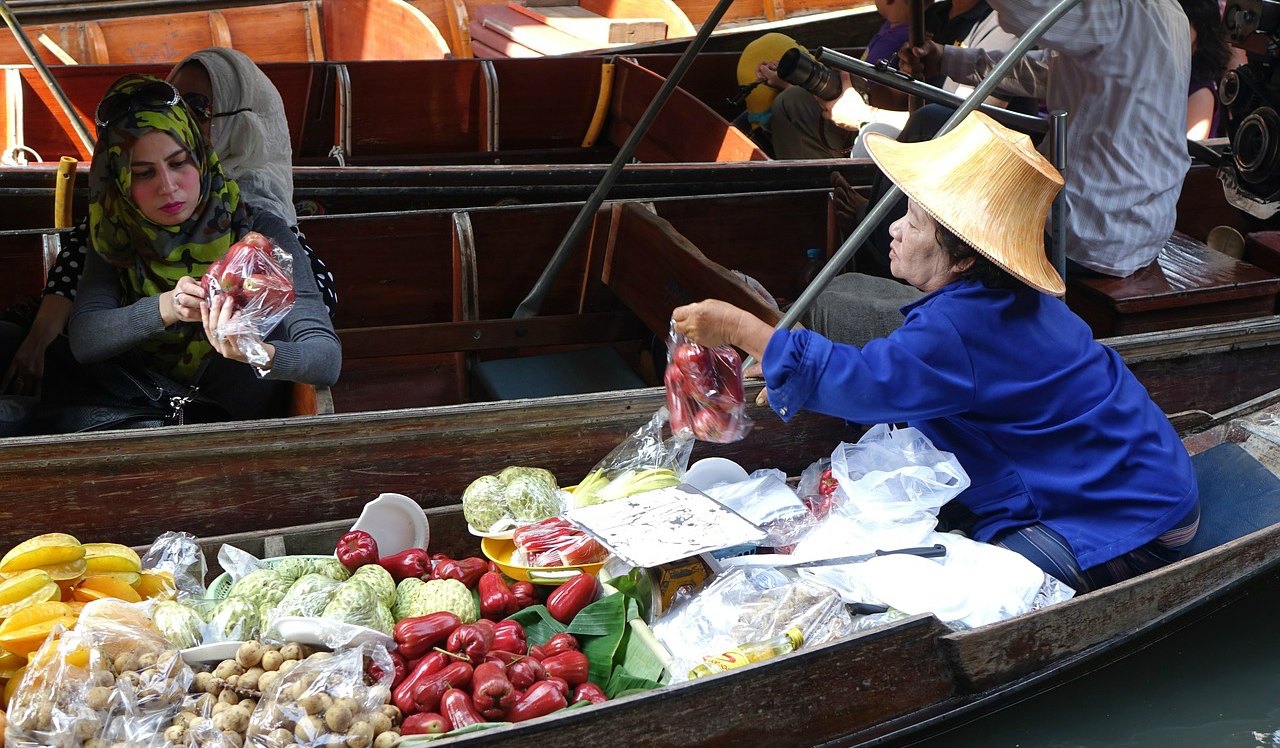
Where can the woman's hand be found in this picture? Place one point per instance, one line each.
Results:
(182, 304)
(218, 313)
(26, 370)
(713, 322)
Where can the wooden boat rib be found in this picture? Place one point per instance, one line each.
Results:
(890, 685)
(599, 25)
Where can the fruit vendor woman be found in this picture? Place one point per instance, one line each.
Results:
(1072, 464)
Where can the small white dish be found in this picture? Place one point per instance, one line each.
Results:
(714, 471)
(503, 535)
(204, 654)
(322, 632)
(396, 522)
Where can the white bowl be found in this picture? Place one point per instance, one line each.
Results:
(209, 653)
(503, 535)
(322, 632)
(714, 471)
(396, 523)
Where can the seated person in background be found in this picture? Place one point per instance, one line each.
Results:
(805, 127)
(1119, 69)
(1210, 59)
(799, 134)
(161, 210)
(241, 114)
(1072, 465)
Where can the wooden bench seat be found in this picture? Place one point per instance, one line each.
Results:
(1189, 284)
(1262, 248)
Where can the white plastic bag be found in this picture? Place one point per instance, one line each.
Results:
(896, 476)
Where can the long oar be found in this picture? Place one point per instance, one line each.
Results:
(915, 34)
(83, 132)
(851, 245)
(532, 303)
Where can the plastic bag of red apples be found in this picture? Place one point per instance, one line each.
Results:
(258, 277)
(704, 390)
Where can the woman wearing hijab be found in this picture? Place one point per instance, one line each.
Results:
(1072, 464)
(241, 114)
(161, 211)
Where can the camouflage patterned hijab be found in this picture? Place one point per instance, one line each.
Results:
(151, 258)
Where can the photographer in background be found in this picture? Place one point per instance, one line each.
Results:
(1211, 57)
(1120, 69)
(805, 127)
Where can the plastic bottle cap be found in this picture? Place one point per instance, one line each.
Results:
(796, 637)
(813, 253)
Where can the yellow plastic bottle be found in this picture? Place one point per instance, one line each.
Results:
(748, 653)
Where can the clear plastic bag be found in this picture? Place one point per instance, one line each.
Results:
(644, 461)
(179, 554)
(769, 503)
(974, 584)
(114, 678)
(894, 473)
(306, 597)
(704, 390)
(749, 604)
(258, 276)
(555, 542)
(326, 700)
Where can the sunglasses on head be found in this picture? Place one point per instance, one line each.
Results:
(149, 95)
(202, 107)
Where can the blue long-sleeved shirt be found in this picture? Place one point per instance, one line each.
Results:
(1050, 424)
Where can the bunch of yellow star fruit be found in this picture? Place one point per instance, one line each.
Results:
(46, 580)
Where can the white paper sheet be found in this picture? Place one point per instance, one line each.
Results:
(669, 524)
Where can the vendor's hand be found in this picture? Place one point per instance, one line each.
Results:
(27, 368)
(182, 304)
(921, 62)
(762, 399)
(710, 323)
(768, 72)
(221, 312)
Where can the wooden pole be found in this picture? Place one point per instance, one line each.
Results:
(46, 76)
(916, 38)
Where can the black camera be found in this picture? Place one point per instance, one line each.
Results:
(1250, 97)
(799, 69)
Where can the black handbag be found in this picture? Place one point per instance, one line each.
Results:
(127, 395)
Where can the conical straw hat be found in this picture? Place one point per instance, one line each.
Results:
(987, 185)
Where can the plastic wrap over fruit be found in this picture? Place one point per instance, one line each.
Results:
(258, 277)
(704, 390)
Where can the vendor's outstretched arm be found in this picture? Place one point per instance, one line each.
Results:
(713, 322)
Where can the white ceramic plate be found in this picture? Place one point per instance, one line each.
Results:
(322, 632)
(714, 471)
(396, 522)
(209, 653)
(504, 535)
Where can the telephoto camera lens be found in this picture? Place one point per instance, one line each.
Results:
(799, 69)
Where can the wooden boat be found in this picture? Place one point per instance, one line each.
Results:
(300, 30)
(892, 684)
(460, 28)
(494, 112)
(410, 348)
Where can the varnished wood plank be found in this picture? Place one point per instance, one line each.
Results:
(654, 269)
(582, 23)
